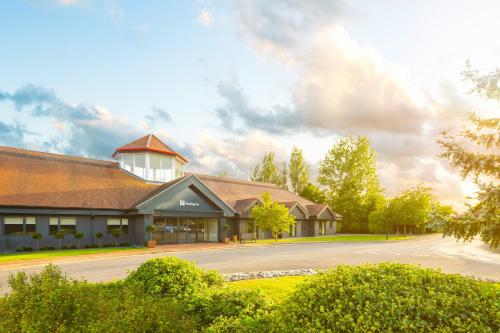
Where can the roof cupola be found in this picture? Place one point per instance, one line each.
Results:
(151, 159)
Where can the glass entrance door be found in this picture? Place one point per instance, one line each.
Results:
(166, 230)
(185, 230)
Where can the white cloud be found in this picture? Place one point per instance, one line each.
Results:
(345, 88)
(69, 3)
(205, 18)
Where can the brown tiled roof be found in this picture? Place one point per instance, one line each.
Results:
(315, 209)
(234, 190)
(242, 206)
(37, 179)
(149, 143)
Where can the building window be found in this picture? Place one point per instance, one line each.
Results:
(293, 230)
(117, 223)
(30, 224)
(68, 225)
(64, 224)
(53, 225)
(13, 226)
(128, 162)
(140, 165)
(322, 228)
(331, 224)
(19, 225)
(250, 227)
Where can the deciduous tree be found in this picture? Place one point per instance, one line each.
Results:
(299, 171)
(272, 216)
(349, 173)
(313, 193)
(269, 172)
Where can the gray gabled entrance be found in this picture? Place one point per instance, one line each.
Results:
(186, 212)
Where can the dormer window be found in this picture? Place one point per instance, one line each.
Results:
(151, 159)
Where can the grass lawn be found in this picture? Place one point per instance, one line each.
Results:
(60, 253)
(337, 239)
(275, 288)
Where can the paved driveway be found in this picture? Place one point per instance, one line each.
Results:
(430, 251)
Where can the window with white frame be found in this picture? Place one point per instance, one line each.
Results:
(30, 224)
(64, 224)
(13, 226)
(117, 223)
(128, 162)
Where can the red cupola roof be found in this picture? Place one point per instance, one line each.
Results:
(149, 143)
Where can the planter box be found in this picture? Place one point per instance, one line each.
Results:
(151, 244)
(226, 240)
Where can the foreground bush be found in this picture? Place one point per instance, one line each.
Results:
(389, 298)
(228, 303)
(171, 295)
(50, 302)
(172, 277)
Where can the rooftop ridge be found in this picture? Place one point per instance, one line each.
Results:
(40, 155)
(235, 180)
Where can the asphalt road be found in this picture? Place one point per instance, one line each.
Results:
(473, 259)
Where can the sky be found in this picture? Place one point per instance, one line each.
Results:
(224, 82)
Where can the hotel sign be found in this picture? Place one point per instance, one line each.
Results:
(188, 203)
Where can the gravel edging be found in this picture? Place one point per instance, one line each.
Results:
(269, 274)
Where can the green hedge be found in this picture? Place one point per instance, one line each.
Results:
(51, 302)
(172, 277)
(172, 295)
(389, 298)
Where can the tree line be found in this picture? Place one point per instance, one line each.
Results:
(348, 181)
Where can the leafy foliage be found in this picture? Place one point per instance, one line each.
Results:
(349, 173)
(51, 302)
(439, 216)
(410, 208)
(269, 172)
(313, 193)
(272, 216)
(481, 162)
(225, 302)
(388, 298)
(172, 277)
(385, 297)
(299, 171)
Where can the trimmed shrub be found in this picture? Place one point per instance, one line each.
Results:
(50, 302)
(172, 277)
(224, 302)
(108, 245)
(124, 244)
(46, 248)
(24, 249)
(389, 297)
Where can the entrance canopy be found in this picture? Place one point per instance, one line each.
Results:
(185, 197)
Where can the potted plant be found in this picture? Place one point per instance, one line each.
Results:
(151, 228)
(99, 235)
(116, 234)
(37, 236)
(79, 236)
(59, 236)
(227, 227)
